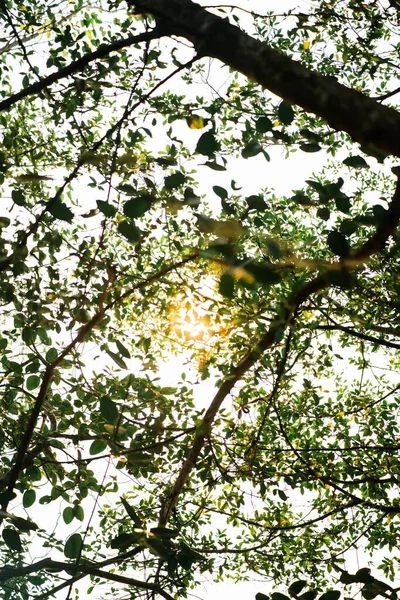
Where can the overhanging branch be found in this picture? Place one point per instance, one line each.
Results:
(366, 120)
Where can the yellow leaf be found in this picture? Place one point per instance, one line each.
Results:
(340, 414)
(230, 229)
(196, 122)
(240, 273)
(32, 178)
(306, 44)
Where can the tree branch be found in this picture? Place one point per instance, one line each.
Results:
(77, 66)
(366, 121)
(284, 318)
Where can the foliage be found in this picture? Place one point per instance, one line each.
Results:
(132, 243)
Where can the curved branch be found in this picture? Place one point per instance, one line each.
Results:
(284, 318)
(366, 121)
(76, 66)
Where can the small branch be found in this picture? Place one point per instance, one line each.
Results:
(84, 568)
(362, 336)
(76, 66)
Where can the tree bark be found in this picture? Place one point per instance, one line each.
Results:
(366, 120)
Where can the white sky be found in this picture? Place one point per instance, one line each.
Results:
(281, 175)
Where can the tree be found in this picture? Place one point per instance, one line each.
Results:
(115, 257)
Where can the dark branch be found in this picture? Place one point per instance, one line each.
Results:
(76, 66)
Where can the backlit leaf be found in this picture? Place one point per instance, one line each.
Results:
(12, 539)
(285, 113)
(73, 546)
(97, 446)
(108, 409)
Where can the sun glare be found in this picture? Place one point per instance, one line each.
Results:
(192, 317)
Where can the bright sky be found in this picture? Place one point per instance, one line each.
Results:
(281, 175)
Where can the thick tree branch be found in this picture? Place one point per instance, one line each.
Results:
(367, 121)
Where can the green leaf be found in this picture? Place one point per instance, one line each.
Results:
(285, 113)
(330, 595)
(107, 209)
(33, 473)
(175, 180)
(207, 144)
(338, 244)
(28, 498)
(256, 203)
(73, 546)
(51, 355)
(311, 136)
(371, 590)
(68, 514)
(32, 382)
(220, 191)
(324, 213)
(263, 124)
(296, 587)
(356, 161)
(132, 513)
(18, 197)
(4, 222)
(28, 335)
(12, 539)
(279, 596)
(129, 231)
(117, 359)
(311, 595)
(348, 227)
(261, 596)
(79, 513)
(124, 540)
(140, 458)
(227, 285)
(310, 147)
(122, 349)
(343, 204)
(252, 149)
(24, 524)
(214, 166)
(97, 446)
(108, 409)
(139, 206)
(59, 210)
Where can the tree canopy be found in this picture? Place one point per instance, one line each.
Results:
(199, 373)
